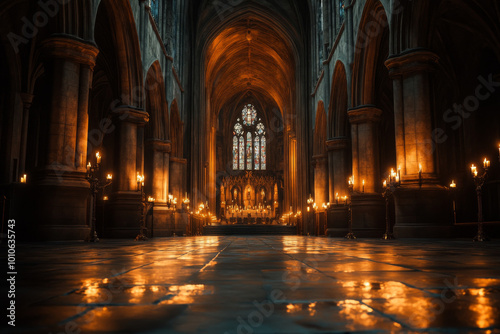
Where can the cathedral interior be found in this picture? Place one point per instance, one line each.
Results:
(250, 166)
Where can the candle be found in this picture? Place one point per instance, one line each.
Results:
(89, 166)
(453, 184)
(399, 174)
(363, 185)
(98, 157)
(486, 163)
(473, 169)
(105, 198)
(337, 198)
(109, 177)
(385, 184)
(420, 168)
(23, 178)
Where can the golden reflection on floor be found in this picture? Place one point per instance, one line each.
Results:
(268, 284)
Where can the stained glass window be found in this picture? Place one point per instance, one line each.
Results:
(260, 129)
(249, 151)
(242, 154)
(249, 114)
(235, 152)
(256, 155)
(238, 129)
(263, 153)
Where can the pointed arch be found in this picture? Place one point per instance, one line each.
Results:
(176, 130)
(156, 104)
(372, 40)
(123, 49)
(338, 125)
(320, 130)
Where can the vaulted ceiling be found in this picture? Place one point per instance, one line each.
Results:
(252, 52)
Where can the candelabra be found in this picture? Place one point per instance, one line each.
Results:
(390, 185)
(146, 205)
(96, 185)
(452, 189)
(479, 182)
(350, 235)
(326, 207)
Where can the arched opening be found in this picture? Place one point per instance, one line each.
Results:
(339, 131)
(116, 119)
(249, 59)
(467, 122)
(372, 96)
(320, 157)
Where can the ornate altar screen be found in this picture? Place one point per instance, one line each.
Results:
(250, 198)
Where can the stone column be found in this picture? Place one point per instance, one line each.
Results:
(337, 166)
(125, 201)
(365, 151)
(27, 100)
(320, 163)
(368, 209)
(159, 172)
(60, 187)
(338, 175)
(411, 74)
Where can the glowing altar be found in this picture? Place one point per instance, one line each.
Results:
(252, 197)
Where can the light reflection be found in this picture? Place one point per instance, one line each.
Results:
(312, 309)
(357, 313)
(291, 308)
(185, 293)
(486, 315)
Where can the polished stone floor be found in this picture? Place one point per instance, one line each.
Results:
(259, 284)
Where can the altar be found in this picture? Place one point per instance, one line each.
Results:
(250, 198)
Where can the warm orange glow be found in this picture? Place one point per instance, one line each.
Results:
(98, 157)
(109, 177)
(486, 163)
(453, 184)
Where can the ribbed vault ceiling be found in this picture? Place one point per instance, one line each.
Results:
(250, 56)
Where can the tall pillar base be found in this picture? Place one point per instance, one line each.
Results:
(61, 211)
(163, 221)
(337, 221)
(124, 215)
(421, 212)
(368, 215)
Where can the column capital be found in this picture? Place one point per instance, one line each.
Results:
(131, 114)
(337, 144)
(364, 114)
(412, 61)
(27, 99)
(71, 48)
(164, 146)
(320, 159)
